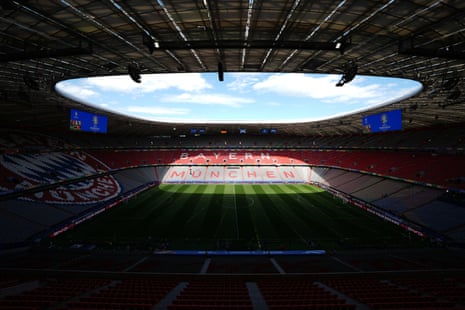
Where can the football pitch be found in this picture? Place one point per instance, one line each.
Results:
(238, 217)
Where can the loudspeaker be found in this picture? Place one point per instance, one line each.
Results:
(134, 72)
(220, 72)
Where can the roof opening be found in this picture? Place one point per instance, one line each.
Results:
(241, 98)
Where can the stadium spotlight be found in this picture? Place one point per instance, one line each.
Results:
(134, 72)
(220, 72)
(150, 42)
(349, 73)
(342, 44)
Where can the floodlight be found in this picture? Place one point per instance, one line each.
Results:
(150, 43)
(342, 44)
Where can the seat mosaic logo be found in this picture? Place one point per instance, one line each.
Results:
(25, 171)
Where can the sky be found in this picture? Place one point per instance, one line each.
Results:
(241, 98)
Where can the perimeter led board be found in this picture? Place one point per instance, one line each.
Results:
(84, 121)
(381, 122)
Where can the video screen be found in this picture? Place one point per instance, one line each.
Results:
(198, 131)
(265, 131)
(381, 122)
(84, 121)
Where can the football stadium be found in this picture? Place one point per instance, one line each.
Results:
(100, 209)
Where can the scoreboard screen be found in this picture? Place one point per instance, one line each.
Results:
(84, 121)
(198, 131)
(381, 122)
(265, 131)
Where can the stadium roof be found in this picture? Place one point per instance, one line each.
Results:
(45, 41)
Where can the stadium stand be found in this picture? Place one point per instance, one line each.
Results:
(380, 188)
(397, 182)
(408, 197)
(213, 294)
(378, 294)
(133, 293)
(303, 294)
(133, 178)
(449, 288)
(296, 292)
(54, 181)
(51, 292)
(440, 216)
(408, 165)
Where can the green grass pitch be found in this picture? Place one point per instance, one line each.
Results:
(238, 217)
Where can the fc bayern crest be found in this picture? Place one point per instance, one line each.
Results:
(23, 171)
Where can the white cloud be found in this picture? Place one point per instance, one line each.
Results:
(209, 99)
(77, 91)
(275, 95)
(242, 82)
(112, 102)
(300, 85)
(158, 110)
(150, 83)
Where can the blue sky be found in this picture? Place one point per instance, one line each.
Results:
(241, 98)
